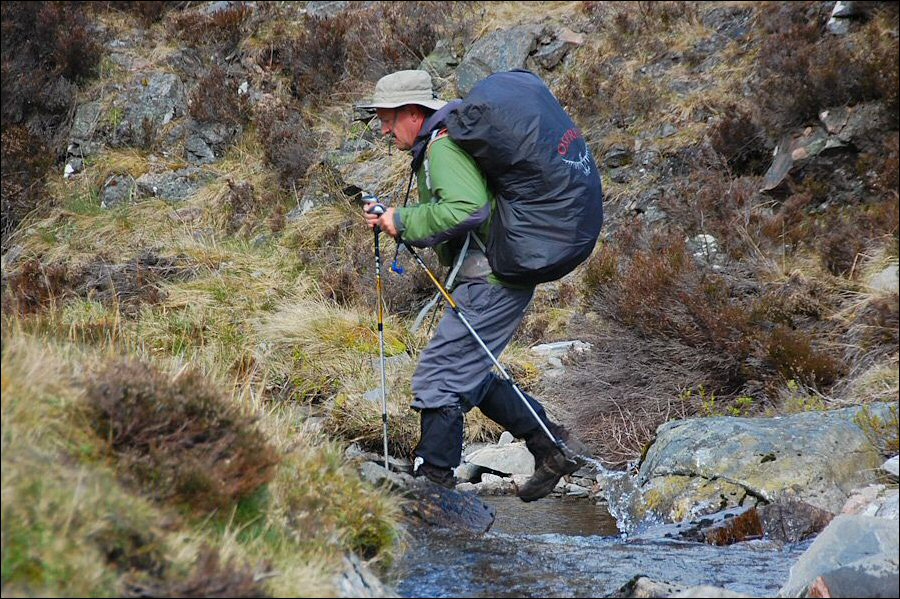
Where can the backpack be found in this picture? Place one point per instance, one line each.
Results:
(549, 196)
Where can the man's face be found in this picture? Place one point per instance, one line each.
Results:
(404, 123)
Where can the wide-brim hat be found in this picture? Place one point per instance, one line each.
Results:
(404, 87)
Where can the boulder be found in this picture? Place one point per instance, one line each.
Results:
(855, 556)
(442, 60)
(641, 586)
(150, 101)
(790, 520)
(118, 189)
(875, 500)
(512, 458)
(82, 139)
(500, 51)
(431, 504)
(701, 466)
(173, 185)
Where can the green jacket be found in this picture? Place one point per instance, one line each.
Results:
(455, 200)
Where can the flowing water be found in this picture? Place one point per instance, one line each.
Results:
(571, 548)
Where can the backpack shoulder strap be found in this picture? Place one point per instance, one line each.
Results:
(435, 135)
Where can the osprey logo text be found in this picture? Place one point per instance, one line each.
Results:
(583, 163)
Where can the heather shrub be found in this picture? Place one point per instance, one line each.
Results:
(844, 234)
(659, 290)
(288, 141)
(226, 27)
(738, 139)
(802, 70)
(25, 160)
(363, 43)
(216, 99)
(792, 354)
(147, 11)
(239, 204)
(47, 48)
(34, 287)
(179, 438)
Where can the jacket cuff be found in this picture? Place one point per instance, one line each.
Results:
(398, 221)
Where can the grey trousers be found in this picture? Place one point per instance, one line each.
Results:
(453, 364)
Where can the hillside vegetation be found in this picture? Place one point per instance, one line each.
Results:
(189, 313)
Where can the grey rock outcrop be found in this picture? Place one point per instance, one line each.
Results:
(82, 140)
(173, 185)
(150, 101)
(855, 556)
(117, 190)
(702, 466)
(500, 51)
(839, 129)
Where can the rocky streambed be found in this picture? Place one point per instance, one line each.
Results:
(798, 506)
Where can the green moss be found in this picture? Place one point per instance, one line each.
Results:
(881, 431)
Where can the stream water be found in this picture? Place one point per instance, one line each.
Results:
(571, 548)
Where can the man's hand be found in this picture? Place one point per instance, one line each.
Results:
(385, 222)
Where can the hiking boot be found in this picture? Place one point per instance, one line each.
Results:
(443, 477)
(550, 464)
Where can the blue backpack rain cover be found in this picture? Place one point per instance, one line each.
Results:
(549, 196)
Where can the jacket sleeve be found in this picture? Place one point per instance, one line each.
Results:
(460, 199)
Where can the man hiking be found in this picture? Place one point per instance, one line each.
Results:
(453, 216)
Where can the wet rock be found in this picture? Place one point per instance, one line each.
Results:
(641, 586)
(701, 466)
(855, 556)
(708, 592)
(431, 504)
(722, 528)
(790, 520)
(357, 580)
(499, 51)
(118, 189)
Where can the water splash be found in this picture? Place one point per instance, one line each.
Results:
(624, 498)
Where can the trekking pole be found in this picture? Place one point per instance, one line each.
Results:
(379, 210)
(503, 373)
